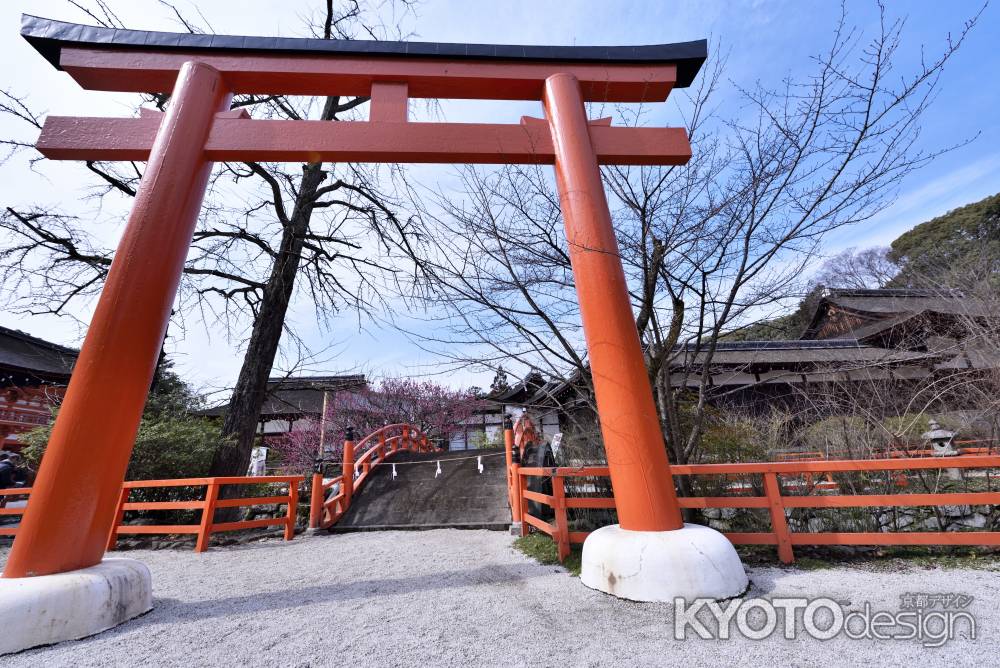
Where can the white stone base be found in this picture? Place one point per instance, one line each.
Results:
(693, 562)
(52, 608)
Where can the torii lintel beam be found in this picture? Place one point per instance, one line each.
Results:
(241, 139)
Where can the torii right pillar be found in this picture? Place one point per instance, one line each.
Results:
(651, 555)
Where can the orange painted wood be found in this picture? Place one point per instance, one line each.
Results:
(761, 538)
(541, 525)
(633, 438)
(293, 511)
(724, 502)
(347, 474)
(316, 501)
(82, 138)
(892, 500)
(517, 510)
(566, 472)
(248, 524)
(180, 482)
(974, 461)
(207, 517)
(561, 534)
(539, 497)
(163, 505)
(159, 528)
(779, 522)
(154, 72)
(902, 538)
(251, 501)
(389, 102)
(589, 502)
(205, 528)
(257, 480)
(72, 513)
(12, 511)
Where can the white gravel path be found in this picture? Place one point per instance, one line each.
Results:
(467, 598)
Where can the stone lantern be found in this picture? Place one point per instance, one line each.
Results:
(940, 440)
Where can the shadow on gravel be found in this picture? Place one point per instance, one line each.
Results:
(167, 610)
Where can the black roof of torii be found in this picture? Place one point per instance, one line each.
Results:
(49, 37)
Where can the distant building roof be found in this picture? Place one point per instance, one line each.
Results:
(298, 395)
(27, 358)
(796, 352)
(859, 314)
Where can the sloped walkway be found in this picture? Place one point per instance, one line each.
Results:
(467, 598)
(460, 497)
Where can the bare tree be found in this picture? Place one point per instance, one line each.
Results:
(708, 247)
(268, 232)
(865, 268)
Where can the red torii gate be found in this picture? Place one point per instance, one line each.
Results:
(72, 509)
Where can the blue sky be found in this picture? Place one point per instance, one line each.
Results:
(765, 40)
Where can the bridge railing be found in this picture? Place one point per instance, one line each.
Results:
(331, 497)
(774, 501)
(207, 504)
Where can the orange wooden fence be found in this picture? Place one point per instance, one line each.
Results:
(382, 444)
(774, 502)
(207, 504)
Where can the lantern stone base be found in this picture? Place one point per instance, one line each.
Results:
(48, 609)
(692, 562)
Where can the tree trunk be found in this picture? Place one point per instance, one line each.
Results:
(239, 428)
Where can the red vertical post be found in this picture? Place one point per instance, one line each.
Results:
(207, 516)
(381, 445)
(72, 509)
(640, 472)
(508, 444)
(293, 509)
(779, 523)
(348, 468)
(316, 501)
(119, 517)
(561, 535)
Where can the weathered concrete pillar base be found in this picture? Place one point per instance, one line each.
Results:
(515, 529)
(692, 562)
(67, 606)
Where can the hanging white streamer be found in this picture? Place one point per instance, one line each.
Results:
(393, 471)
(438, 472)
(479, 463)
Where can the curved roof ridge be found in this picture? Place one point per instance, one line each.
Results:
(49, 36)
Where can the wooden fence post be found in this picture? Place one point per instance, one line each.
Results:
(293, 508)
(518, 509)
(778, 521)
(347, 471)
(119, 517)
(316, 501)
(508, 444)
(561, 519)
(207, 516)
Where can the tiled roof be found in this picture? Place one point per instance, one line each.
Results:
(25, 353)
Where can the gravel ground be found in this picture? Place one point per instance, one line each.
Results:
(467, 598)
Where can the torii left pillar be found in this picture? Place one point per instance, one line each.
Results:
(56, 562)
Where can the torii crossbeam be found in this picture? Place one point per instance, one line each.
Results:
(73, 502)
